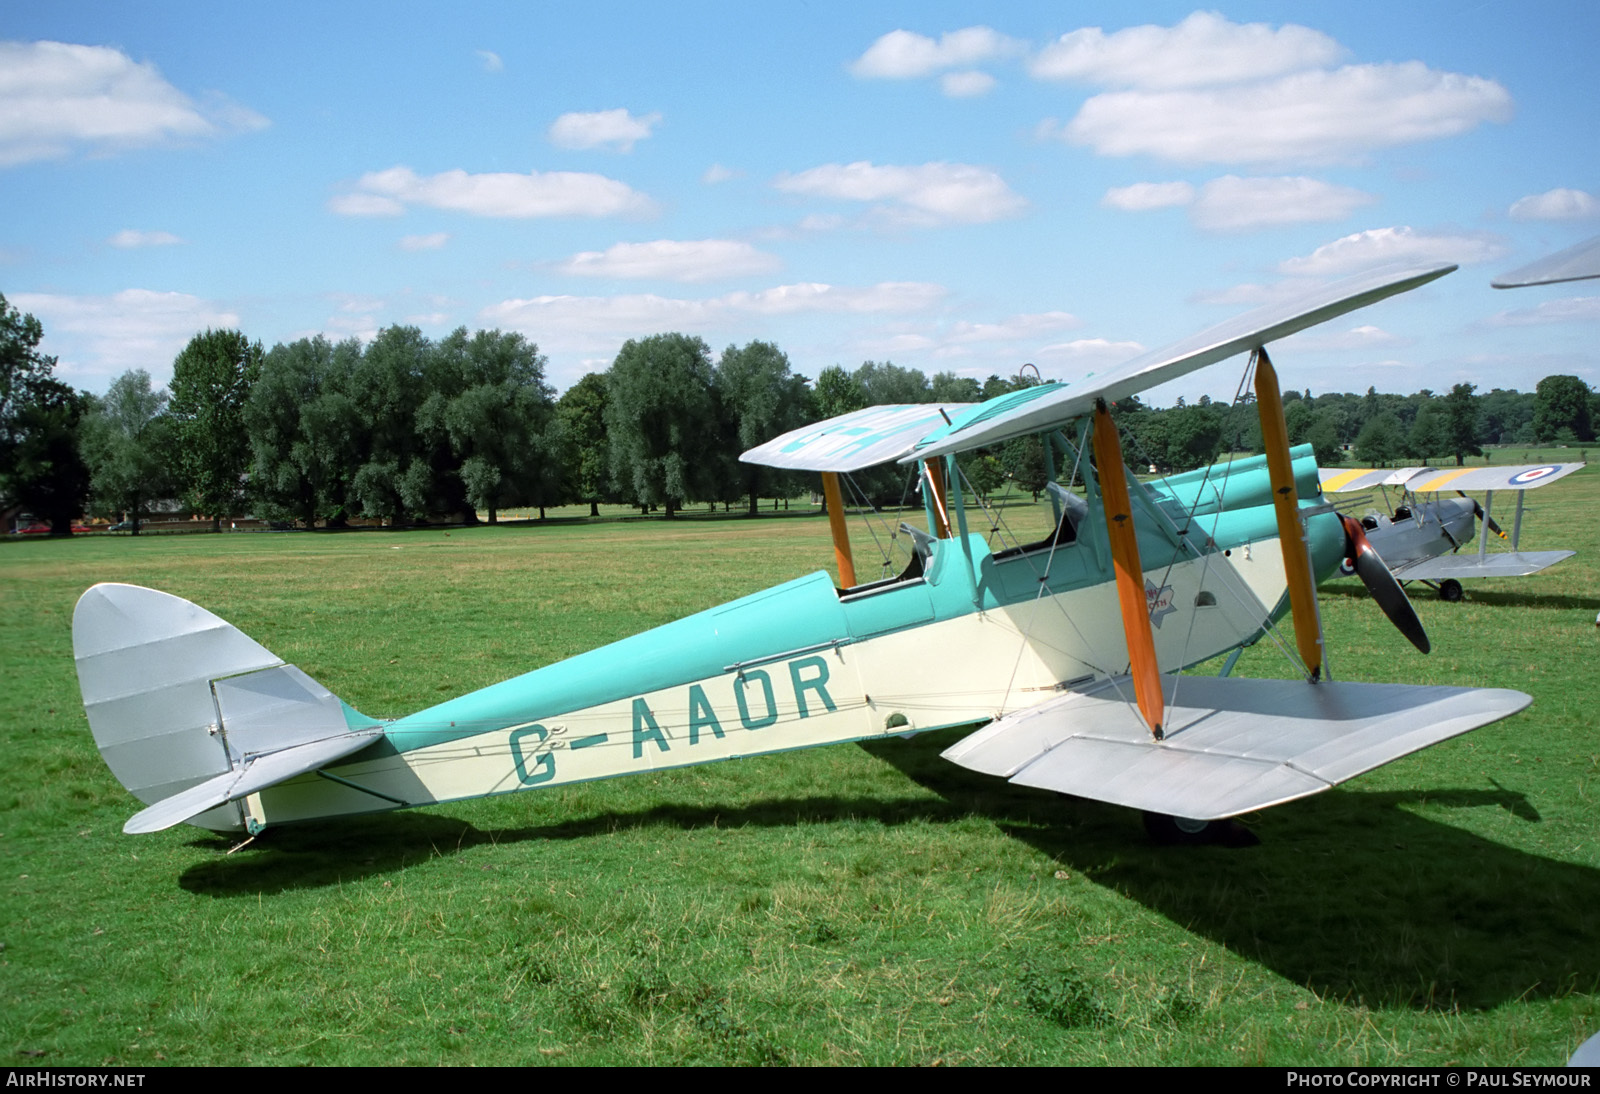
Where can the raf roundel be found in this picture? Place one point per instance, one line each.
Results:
(1534, 474)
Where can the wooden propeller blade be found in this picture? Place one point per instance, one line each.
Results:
(1375, 575)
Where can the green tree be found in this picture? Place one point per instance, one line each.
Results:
(1562, 402)
(1323, 436)
(1022, 459)
(1501, 414)
(48, 474)
(493, 408)
(760, 398)
(582, 411)
(1380, 441)
(1430, 433)
(211, 380)
(837, 392)
(662, 420)
(305, 430)
(947, 387)
(1461, 422)
(887, 384)
(395, 478)
(40, 464)
(127, 443)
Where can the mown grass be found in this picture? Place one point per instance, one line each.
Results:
(843, 905)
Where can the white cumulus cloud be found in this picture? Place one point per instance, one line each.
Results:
(99, 337)
(1379, 246)
(1311, 117)
(607, 321)
(1558, 204)
(906, 55)
(1234, 204)
(493, 194)
(1018, 334)
(614, 129)
(1085, 355)
(430, 242)
(966, 85)
(1205, 50)
(926, 194)
(1356, 338)
(1141, 196)
(673, 260)
(57, 98)
(1571, 309)
(130, 238)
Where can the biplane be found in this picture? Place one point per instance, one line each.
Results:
(1422, 538)
(1069, 651)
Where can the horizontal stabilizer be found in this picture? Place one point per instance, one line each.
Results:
(256, 774)
(1498, 564)
(1231, 745)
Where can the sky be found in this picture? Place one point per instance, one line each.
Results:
(948, 186)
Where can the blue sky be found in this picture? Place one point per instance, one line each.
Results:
(950, 186)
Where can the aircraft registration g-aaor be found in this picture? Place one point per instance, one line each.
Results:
(1071, 649)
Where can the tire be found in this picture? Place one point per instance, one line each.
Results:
(1450, 590)
(1170, 831)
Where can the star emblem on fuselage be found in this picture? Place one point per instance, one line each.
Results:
(1159, 601)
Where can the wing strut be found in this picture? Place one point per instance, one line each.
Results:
(1135, 605)
(1286, 502)
(841, 533)
(937, 490)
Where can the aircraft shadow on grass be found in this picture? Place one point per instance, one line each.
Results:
(1354, 590)
(1350, 895)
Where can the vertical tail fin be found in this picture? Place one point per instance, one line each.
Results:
(191, 715)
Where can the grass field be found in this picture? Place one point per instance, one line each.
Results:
(853, 904)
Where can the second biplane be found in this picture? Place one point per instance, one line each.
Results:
(1421, 538)
(1071, 649)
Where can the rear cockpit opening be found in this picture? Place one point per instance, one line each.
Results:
(1073, 510)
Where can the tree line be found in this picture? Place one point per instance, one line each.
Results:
(406, 428)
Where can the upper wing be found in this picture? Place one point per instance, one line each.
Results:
(1429, 480)
(1341, 480)
(1059, 403)
(849, 442)
(1572, 264)
(1524, 476)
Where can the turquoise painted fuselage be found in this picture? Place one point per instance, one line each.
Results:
(1177, 519)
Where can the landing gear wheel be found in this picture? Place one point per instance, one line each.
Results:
(1170, 831)
(1450, 589)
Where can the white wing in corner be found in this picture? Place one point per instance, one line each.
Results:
(1232, 745)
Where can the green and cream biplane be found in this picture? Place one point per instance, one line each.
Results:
(1069, 652)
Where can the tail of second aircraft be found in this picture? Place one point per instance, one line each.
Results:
(191, 715)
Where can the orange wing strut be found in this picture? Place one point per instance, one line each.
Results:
(1291, 533)
(836, 525)
(939, 488)
(1131, 597)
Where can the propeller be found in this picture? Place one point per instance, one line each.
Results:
(1381, 584)
(1477, 511)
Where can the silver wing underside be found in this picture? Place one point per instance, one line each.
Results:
(1231, 746)
(1499, 564)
